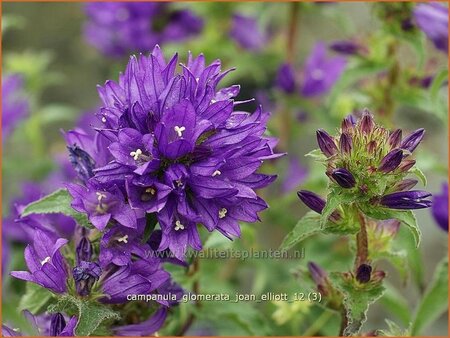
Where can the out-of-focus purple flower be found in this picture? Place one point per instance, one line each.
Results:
(321, 72)
(139, 277)
(414, 199)
(432, 18)
(411, 141)
(46, 264)
(247, 33)
(120, 28)
(146, 328)
(5, 255)
(295, 175)
(14, 103)
(440, 207)
(285, 79)
(178, 148)
(343, 177)
(346, 47)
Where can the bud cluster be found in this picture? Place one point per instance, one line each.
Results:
(373, 163)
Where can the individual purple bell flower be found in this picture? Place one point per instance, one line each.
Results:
(120, 243)
(146, 328)
(285, 79)
(165, 255)
(321, 72)
(101, 206)
(414, 199)
(15, 106)
(391, 161)
(120, 28)
(46, 264)
(147, 194)
(326, 143)
(85, 274)
(440, 207)
(411, 141)
(343, 177)
(247, 33)
(432, 19)
(138, 277)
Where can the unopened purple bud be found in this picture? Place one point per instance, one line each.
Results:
(345, 47)
(57, 324)
(348, 123)
(406, 165)
(404, 200)
(412, 140)
(363, 273)
(406, 184)
(85, 275)
(316, 203)
(367, 123)
(372, 146)
(326, 143)
(395, 138)
(318, 274)
(345, 143)
(343, 177)
(84, 250)
(391, 161)
(378, 276)
(82, 162)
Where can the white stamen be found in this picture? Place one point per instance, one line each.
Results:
(136, 154)
(104, 119)
(217, 172)
(150, 191)
(213, 101)
(46, 260)
(123, 239)
(16, 329)
(179, 130)
(222, 213)
(178, 226)
(179, 183)
(100, 196)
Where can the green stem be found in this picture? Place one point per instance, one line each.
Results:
(362, 251)
(318, 324)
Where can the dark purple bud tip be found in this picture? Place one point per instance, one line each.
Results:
(395, 138)
(326, 143)
(84, 250)
(317, 273)
(367, 123)
(85, 275)
(406, 184)
(411, 141)
(57, 324)
(345, 143)
(345, 47)
(391, 161)
(343, 177)
(363, 273)
(348, 123)
(312, 200)
(404, 200)
(82, 162)
(406, 165)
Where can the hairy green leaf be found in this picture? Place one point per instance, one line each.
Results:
(307, 226)
(36, 299)
(435, 301)
(420, 175)
(91, 315)
(357, 298)
(57, 202)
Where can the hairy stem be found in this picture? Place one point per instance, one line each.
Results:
(362, 250)
(195, 267)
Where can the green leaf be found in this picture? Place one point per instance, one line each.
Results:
(91, 315)
(357, 298)
(57, 202)
(36, 299)
(435, 301)
(334, 199)
(420, 175)
(317, 155)
(307, 226)
(394, 330)
(437, 83)
(150, 225)
(407, 217)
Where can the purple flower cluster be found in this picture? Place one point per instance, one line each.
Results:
(14, 104)
(320, 73)
(373, 163)
(119, 28)
(172, 144)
